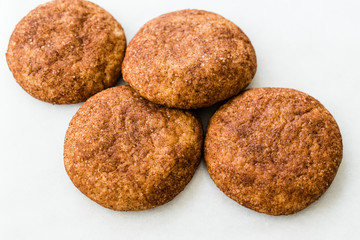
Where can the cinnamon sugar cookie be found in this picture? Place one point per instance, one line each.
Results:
(127, 153)
(189, 59)
(273, 150)
(65, 51)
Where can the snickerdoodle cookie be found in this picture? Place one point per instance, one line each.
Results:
(273, 150)
(127, 153)
(65, 51)
(189, 59)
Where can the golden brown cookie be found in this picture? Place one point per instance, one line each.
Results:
(65, 51)
(127, 153)
(273, 150)
(189, 59)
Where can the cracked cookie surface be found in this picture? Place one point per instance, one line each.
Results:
(189, 59)
(65, 51)
(273, 150)
(127, 153)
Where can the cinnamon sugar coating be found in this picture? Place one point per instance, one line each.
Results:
(273, 150)
(65, 51)
(127, 153)
(189, 59)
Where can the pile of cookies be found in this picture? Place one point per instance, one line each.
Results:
(135, 147)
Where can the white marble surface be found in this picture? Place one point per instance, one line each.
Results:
(312, 46)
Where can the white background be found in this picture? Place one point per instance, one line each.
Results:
(312, 46)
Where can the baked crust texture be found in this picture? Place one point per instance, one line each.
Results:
(129, 154)
(273, 150)
(65, 51)
(189, 59)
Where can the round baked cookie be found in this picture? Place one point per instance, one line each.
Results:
(273, 150)
(65, 51)
(127, 153)
(189, 59)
